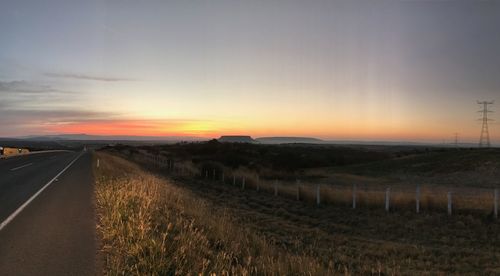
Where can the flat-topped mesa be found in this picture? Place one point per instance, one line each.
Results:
(236, 139)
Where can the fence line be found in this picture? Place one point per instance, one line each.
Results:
(329, 195)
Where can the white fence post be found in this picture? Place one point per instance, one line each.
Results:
(243, 184)
(449, 203)
(97, 162)
(387, 199)
(496, 203)
(298, 189)
(417, 199)
(318, 195)
(275, 187)
(354, 188)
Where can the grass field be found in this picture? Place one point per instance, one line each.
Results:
(263, 234)
(151, 227)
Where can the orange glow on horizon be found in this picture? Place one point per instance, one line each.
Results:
(135, 128)
(208, 129)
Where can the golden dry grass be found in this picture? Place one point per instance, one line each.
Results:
(300, 238)
(432, 199)
(150, 227)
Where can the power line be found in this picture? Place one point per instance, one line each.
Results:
(484, 141)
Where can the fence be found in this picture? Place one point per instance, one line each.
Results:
(396, 197)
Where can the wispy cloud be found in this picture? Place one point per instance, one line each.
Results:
(21, 94)
(28, 106)
(22, 86)
(28, 121)
(87, 77)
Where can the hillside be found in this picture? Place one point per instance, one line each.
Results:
(289, 140)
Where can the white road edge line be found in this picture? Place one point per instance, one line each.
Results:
(21, 208)
(20, 167)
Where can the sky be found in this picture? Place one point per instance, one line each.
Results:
(408, 70)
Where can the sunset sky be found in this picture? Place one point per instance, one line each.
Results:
(405, 70)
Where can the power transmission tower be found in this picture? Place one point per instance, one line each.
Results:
(484, 141)
(456, 139)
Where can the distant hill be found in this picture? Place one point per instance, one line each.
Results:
(289, 140)
(86, 137)
(236, 139)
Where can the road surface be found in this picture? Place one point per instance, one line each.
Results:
(47, 216)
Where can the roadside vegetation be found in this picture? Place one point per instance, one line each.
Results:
(156, 221)
(151, 227)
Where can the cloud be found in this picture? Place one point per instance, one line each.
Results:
(58, 115)
(21, 94)
(22, 86)
(37, 121)
(28, 106)
(87, 77)
(26, 87)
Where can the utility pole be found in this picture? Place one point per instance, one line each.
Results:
(456, 139)
(484, 141)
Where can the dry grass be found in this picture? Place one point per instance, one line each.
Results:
(432, 199)
(263, 234)
(151, 227)
(370, 192)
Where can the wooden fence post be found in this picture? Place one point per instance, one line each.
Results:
(258, 183)
(222, 176)
(417, 199)
(214, 175)
(234, 180)
(387, 199)
(495, 211)
(298, 189)
(243, 184)
(354, 196)
(450, 203)
(318, 195)
(275, 187)
(206, 174)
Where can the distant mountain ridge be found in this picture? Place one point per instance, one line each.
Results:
(289, 140)
(87, 137)
(236, 139)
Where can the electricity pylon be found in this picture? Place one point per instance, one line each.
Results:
(484, 141)
(456, 139)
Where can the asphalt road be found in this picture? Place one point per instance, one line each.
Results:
(54, 232)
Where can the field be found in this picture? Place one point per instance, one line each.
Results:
(283, 235)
